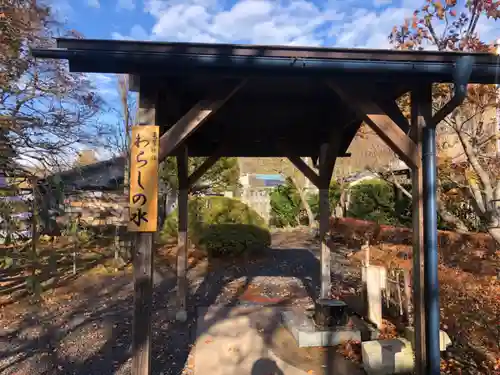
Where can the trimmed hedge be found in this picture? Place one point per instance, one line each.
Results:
(233, 239)
(473, 252)
(221, 226)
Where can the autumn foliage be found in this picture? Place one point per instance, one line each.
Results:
(470, 170)
(21, 22)
(460, 34)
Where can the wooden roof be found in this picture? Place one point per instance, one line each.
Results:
(285, 103)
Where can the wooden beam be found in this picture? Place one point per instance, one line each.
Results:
(143, 266)
(205, 166)
(328, 155)
(182, 240)
(305, 169)
(421, 102)
(381, 124)
(391, 108)
(191, 121)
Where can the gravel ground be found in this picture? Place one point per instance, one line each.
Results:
(86, 328)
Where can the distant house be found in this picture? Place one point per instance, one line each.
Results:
(103, 175)
(257, 177)
(93, 193)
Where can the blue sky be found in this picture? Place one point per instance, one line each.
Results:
(342, 23)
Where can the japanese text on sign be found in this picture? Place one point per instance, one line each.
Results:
(144, 179)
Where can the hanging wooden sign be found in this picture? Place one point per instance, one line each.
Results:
(143, 212)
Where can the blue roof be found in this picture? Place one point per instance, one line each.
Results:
(270, 177)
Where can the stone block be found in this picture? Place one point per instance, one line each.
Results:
(382, 274)
(307, 334)
(374, 282)
(444, 339)
(382, 357)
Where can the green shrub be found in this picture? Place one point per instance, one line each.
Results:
(373, 200)
(285, 205)
(287, 208)
(233, 239)
(210, 217)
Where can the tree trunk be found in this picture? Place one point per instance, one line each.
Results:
(446, 215)
(495, 234)
(307, 207)
(451, 219)
(342, 204)
(494, 227)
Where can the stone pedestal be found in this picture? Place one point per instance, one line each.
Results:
(308, 334)
(387, 357)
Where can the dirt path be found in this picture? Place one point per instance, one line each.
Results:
(85, 327)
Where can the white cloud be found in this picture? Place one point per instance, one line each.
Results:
(369, 28)
(137, 32)
(248, 21)
(94, 3)
(126, 4)
(105, 84)
(348, 23)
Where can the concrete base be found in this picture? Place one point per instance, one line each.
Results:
(232, 340)
(307, 334)
(444, 339)
(387, 357)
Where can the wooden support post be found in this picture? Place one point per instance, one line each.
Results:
(182, 241)
(418, 103)
(327, 157)
(325, 258)
(143, 266)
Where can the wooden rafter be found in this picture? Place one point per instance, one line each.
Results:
(394, 112)
(191, 121)
(381, 124)
(305, 169)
